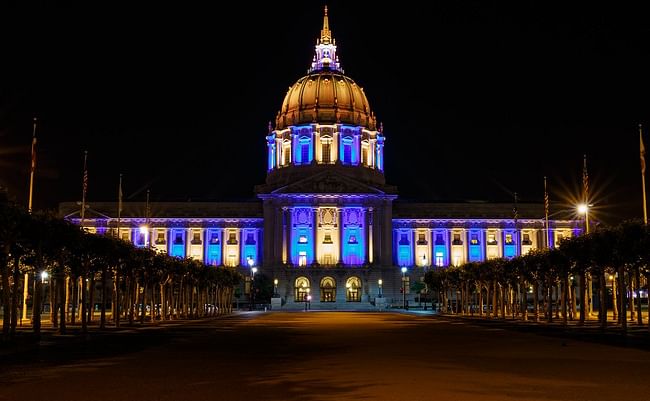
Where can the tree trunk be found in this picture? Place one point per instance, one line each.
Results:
(495, 299)
(6, 295)
(630, 290)
(639, 316)
(62, 280)
(91, 298)
(74, 287)
(536, 299)
(583, 298)
(84, 301)
(565, 293)
(623, 298)
(36, 307)
(615, 314)
(524, 300)
(15, 311)
(603, 299)
(116, 297)
(102, 318)
(54, 298)
(574, 307)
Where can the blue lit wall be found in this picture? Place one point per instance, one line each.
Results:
(213, 247)
(379, 157)
(302, 234)
(177, 243)
(350, 139)
(510, 250)
(476, 250)
(440, 249)
(271, 146)
(249, 246)
(353, 246)
(403, 244)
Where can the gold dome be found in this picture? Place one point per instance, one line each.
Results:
(325, 96)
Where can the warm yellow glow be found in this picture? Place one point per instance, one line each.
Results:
(381, 282)
(275, 281)
(611, 277)
(583, 208)
(144, 229)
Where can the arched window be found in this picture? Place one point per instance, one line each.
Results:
(353, 289)
(328, 289)
(302, 289)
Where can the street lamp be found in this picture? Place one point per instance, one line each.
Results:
(583, 208)
(253, 271)
(275, 288)
(380, 284)
(403, 287)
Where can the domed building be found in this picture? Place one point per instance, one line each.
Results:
(327, 230)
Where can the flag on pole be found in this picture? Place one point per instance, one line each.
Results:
(33, 166)
(546, 208)
(642, 151)
(85, 188)
(119, 196)
(32, 169)
(515, 212)
(85, 183)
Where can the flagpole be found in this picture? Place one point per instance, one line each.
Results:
(29, 209)
(515, 216)
(119, 206)
(547, 231)
(85, 187)
(645, 210)
(585, 185)
(32, 168)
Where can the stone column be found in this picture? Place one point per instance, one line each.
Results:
(288, 212)
(314, 220)
(367, 238)
(339, 212)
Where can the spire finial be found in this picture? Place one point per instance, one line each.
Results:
(325, 33)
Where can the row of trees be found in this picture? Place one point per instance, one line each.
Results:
(557, 279)
(141, 284)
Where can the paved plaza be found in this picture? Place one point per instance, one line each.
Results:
(325, 356)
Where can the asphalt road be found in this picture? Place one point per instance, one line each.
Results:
(327, 356)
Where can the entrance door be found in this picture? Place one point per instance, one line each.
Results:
(327, 290)
(353, 287)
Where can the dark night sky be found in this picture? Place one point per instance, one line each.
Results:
(477, 100)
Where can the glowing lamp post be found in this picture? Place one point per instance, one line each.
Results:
(251, 262)
(275, 287)
(403, 287)
(583, 208)
(380, 282)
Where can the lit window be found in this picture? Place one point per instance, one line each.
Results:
(302, 239)
(327, 239)
(196, 238)
(304, 153)
(421, 239)
(492, 239)
(302, 259)
(474, 239)
(232, 239)
(509, 239)
(214, 238)
(160, 239)
(439, 259)
(353, 239)
(526, 240)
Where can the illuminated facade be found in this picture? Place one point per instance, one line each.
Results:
(328, 227)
